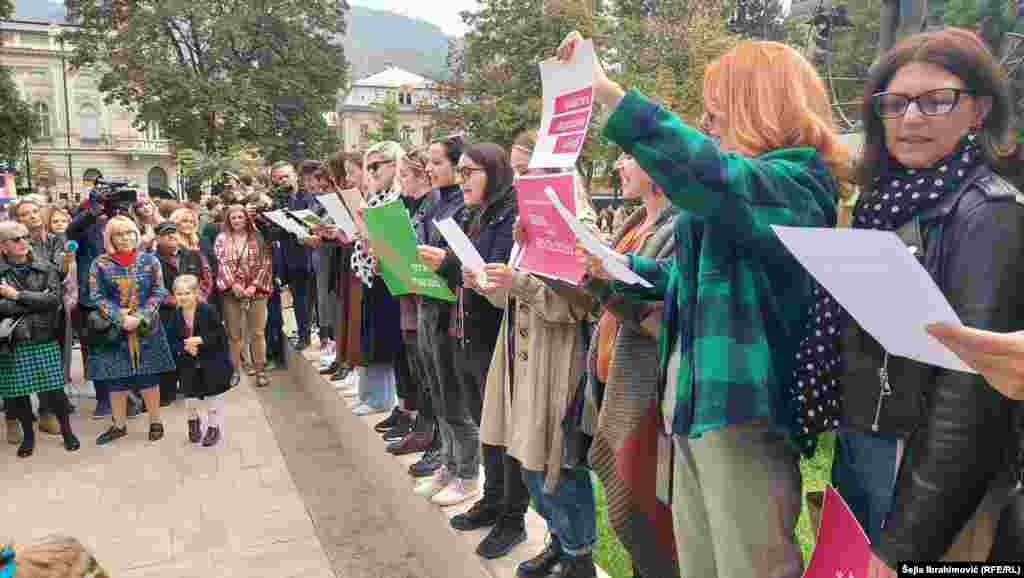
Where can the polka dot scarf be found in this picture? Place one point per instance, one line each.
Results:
(903, 194)
(363, 264)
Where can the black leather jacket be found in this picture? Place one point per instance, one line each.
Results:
(39, 300)
(959, 432)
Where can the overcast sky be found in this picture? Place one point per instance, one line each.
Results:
(444, 13)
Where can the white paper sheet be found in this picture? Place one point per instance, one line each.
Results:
(615, 264)
(567, 108)
(460, 243)
(338, 213)
(880, 282)
(288, 224)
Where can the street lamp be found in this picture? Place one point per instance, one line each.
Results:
(55, 32)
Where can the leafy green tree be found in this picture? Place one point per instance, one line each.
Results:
(389, 125)
(18, 122)
(210, 72)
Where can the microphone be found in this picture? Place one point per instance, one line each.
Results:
(71, 246)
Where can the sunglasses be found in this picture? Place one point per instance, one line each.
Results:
(376, 165)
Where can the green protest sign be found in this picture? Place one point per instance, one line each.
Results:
(394, 244)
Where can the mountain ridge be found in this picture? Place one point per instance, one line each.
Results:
(374, 39)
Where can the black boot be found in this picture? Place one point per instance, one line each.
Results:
(111, 434)
(540, 565)
(397, 416)
(575, 567)
(23, 410)
(502, 538)
(481, 515)
(195, 435)
(71, 442)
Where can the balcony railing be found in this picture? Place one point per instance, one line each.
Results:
(145, 146)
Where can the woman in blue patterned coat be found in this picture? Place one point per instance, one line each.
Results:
(127, 287)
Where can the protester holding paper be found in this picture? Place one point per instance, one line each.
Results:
(457, 456)
(738, 299)
(621, 410)
(490, 214)
(411, 425)
(937, 117)
(381, 332)
(536, 374)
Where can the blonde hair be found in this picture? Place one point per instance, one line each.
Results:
(186, 283)
(116, 225)
(773, 98)
(12, 229)
(191, 241)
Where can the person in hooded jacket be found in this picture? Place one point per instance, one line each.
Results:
(489, 220)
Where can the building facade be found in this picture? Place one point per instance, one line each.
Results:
(359, 110)
(80, 137)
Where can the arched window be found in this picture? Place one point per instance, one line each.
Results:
(152, 131)
(156, 179)
(89, 125)
(43, 116)
(90, 175)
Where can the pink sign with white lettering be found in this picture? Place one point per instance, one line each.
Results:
(575, 100)
(551, 246)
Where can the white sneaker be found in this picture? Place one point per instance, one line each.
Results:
(366, 409)
(429, 487)
(457, 491)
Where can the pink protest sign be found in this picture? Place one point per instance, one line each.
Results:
(570, 143)
(551, 248)
(581, 99)
(568, 100)
(842, 549)
(572, 122)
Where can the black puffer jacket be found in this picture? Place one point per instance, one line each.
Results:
(39, 300)
(959, 432)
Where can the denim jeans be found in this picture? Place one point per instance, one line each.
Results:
(570, 512)
(379, 386)
(864, 473)
(303, 287)
(275, 328)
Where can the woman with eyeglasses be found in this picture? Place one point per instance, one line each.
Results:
(937, 126)
(30, 315)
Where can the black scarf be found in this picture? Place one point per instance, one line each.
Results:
(900, 195)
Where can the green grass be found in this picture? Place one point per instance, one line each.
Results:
(612, 557)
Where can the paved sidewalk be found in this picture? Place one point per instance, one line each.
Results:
(168, 509)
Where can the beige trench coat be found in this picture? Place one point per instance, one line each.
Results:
(529, 423)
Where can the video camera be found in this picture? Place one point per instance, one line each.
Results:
(114, 197)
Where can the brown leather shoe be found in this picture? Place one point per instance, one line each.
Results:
(417, 441)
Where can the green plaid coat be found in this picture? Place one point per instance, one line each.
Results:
(736, 300)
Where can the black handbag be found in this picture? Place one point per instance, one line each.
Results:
(100, 331)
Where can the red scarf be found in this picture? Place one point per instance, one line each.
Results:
(124, 258)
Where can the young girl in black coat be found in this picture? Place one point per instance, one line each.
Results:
(203, 361)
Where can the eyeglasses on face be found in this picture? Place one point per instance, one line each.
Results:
(376, 165)
(19, 239)
(467, 172)
(932, 103)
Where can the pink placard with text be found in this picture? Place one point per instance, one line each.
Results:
(570, 143)
(575, 100)
(551, 248)
(572, 122)
(842, 549)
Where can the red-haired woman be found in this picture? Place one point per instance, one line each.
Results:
(244, 279)
(736, 300)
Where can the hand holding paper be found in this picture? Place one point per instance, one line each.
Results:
(877, 279)
(616, 264)
(338, 213)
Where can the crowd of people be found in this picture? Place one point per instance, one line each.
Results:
(692, 400)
